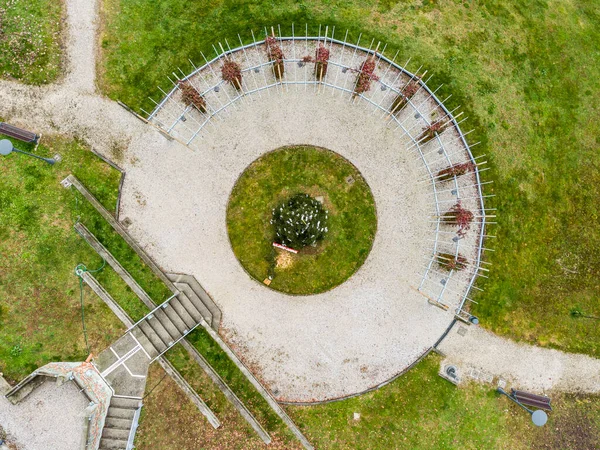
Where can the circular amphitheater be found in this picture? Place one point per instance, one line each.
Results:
(399, 303)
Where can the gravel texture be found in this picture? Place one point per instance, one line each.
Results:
(51, 417)
(525, 366)
(305, 348)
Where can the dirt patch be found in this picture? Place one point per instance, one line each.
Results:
(284, 259)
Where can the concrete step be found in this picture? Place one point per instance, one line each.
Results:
(182, 312)
(196, 301)
(167, 324)
(154, 338)
(120, 413)
(181, 280)
(126, 403)
(145, 342)
(115, 422)
(160, 331)
(115, 433)
(175, 318)
(215, 311)
(189, 307)
(112, 444)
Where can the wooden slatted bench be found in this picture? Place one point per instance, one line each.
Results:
(537, 401)
(18, 133)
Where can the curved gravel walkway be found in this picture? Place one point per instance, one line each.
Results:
(531, 368)
(304, 348)
(347, 345)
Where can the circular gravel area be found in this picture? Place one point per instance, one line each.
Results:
(382, 319)
(305, 348)
(274, 178)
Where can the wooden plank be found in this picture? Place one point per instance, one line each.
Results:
(527, 398)
(112, 261)
(18, 133)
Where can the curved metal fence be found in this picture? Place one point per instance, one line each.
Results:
(448, 148)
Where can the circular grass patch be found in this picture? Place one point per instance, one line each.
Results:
(278, 176)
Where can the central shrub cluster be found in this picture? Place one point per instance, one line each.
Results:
(299, 222)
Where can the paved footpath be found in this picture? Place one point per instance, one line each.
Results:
(524, 366)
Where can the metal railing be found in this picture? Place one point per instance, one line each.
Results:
(473, 191)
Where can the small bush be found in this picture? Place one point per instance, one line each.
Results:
(191, 96)
(232, 73)
(432, 131)
(455, 170)
(406, 93)
(460, 217)
(275, 54)
(448, 261)
(321, 62)
(366, 74)
(299, 222)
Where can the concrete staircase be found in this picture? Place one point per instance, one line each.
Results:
(190, 291)
(120, 424)
(167, 324)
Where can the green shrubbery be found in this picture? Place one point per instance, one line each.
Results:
(299, 222)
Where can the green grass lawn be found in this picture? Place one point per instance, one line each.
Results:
(40, 316)
(423, 411)
(526, 74)
(272, 180)
(417, 411)
(30, 40)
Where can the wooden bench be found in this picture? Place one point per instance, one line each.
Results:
(18, 133)
(537, 401)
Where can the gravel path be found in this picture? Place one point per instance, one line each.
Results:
(51, 417)
(528, 367)
(305, 348)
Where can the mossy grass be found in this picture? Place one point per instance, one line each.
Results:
(274, 178)
(40, 316)
(31, 40)
(421, 410)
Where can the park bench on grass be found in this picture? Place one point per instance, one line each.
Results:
(18, 133)
(538, 401)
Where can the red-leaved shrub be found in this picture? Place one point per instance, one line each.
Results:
(232, 73)
(191, 96)
(405, 95)
(448, 261)
(321, 61)
(366, 74)
(455, 170)
(432, 131)
(460, 217)
(275, 54)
